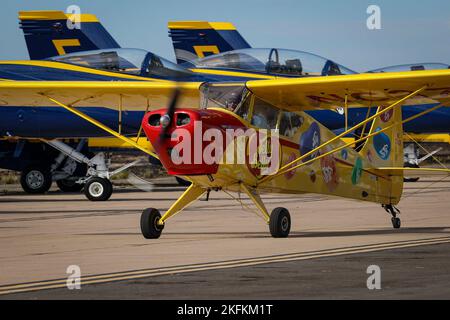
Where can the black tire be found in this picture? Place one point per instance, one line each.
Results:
(69, 185)
(280, 223)
(98, 189)
(182, 182)
(36, 179)
(410, 179)
(396, 223)
(149, 223)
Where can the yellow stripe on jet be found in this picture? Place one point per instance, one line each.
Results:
(70, 67)
(56, 15)
(201, 25)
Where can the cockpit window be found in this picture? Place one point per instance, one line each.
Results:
(264, 115)
(243, 110)
(129, 61)
(273, 61)
(222, 96)
(247, 59)
(412, 67)
(160, 67)
(290, 123)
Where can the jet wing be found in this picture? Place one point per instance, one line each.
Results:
(131, 95)
(365, 89)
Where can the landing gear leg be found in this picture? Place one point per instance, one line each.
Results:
(152, 223)
(279, 220)
(95, 176)
(396, 222)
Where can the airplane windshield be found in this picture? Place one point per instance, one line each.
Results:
(273, 61)
(412, 67)
(129, 61)
(227, 97)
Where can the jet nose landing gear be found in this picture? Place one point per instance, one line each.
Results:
(98, 189)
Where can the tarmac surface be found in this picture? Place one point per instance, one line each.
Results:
(218, 249)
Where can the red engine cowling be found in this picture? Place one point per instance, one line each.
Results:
(182, 150)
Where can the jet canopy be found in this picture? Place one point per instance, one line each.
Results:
(129, 61)
(412, 67)
(272, 61)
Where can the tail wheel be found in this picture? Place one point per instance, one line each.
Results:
(98, 189)
(149, 223)
(396, 223)
(36, 179)
(280, 223)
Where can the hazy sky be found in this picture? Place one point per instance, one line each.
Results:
(412, 31)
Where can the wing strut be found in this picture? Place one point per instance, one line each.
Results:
(101, 126)
(291, 165)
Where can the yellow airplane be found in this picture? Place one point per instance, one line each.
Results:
(311, 158)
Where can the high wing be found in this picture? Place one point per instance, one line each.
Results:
(110, 94)
(296, 94)
(359, 90)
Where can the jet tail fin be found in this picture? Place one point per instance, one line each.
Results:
(52, 33)
(198, 39)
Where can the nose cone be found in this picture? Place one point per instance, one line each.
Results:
(186, 148)
(180, 150)
(165, 121)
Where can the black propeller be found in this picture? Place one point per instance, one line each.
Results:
(166, 120)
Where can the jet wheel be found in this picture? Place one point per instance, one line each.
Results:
(410, 179)
(36, 179)
(98, 189)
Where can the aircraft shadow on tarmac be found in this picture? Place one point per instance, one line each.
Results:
(312, 234)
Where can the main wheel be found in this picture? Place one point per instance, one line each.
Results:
(98, 189)
(280, 223)
(396, 223)
(149, 223)
(36, 179)
(69, 185)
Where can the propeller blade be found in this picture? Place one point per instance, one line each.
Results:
(170, 115)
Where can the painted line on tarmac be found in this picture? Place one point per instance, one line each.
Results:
(136, 274)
